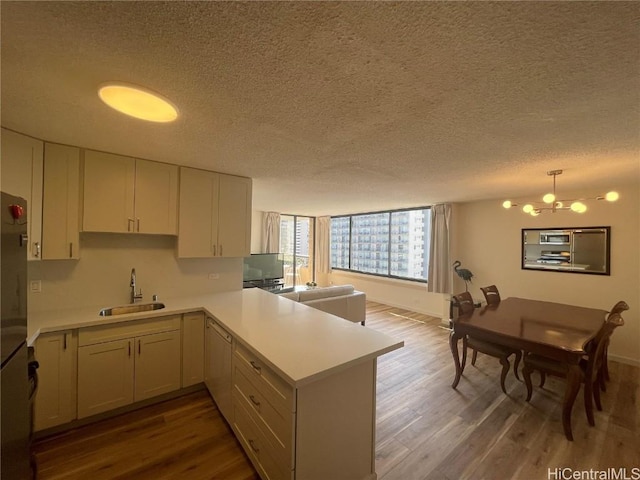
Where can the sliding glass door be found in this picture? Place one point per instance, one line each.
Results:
(296, 247)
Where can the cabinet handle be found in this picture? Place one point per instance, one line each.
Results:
(138, 225)
(37, 245)
(139, 347)
(256, 367)
(129, 223)
(64, 342)
(129, 343)
(252, 444)
(254, 401)
(71, 250)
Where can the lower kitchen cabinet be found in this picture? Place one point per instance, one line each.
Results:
(55, 402)
(193, 339)
(157, 365)
(105, 377)
(126, 363)
(218, 368)
(322, 429)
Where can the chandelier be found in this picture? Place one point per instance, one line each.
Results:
(550, 202)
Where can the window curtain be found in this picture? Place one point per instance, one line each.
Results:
(439, 276)
(271, 232)
(323, 235)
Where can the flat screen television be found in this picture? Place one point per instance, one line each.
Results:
(262, 266)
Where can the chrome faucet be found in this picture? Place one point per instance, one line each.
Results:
(134, 296)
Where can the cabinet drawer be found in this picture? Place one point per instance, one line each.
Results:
(275, 389)
(258, 448)
(275, 424)
(132, 328)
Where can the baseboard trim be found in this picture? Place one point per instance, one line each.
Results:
(626, 360)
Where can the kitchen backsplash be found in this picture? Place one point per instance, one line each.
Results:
(101, 276)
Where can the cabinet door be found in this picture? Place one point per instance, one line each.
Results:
(56, 396)
(61, 202)
(22, 176)
(105, 376)
(218, 367)
(192, 348)
(108, 193)
(197, 231)
(157, 364)
(234, 217)
(156, 197)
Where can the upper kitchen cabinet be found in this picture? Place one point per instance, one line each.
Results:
(123, 194)
(215, 215)
(22, 176)
(234, 216)
(61, 203)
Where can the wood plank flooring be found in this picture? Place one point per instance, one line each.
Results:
(425, 429)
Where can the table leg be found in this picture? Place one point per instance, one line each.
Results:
(574, 379)
(453, 343)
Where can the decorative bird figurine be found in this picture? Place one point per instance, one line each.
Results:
(463, 273)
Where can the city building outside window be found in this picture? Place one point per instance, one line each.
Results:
(391, 244)
(297, 247)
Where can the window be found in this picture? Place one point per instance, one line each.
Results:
(296, 247)
(391, 244)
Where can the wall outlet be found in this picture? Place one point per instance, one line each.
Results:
(214, 276)
(35, 286)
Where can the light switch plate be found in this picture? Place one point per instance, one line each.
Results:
(35, 286)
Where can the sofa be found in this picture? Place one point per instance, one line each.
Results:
(340, 300)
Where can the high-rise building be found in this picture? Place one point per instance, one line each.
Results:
(389, 243)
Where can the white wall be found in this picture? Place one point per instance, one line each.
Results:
(101, 276)
(397, 293)
(489, 244)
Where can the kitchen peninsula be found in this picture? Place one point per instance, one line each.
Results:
(303, 382)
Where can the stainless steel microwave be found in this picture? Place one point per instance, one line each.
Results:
(558, 237)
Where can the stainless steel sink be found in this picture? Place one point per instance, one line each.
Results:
(133, 308)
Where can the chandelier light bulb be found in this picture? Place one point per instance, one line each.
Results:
(612, 196)
(528, 208)
(578, 207)
(507, 204)
(535, 213)
(559, 205)
(549, 198)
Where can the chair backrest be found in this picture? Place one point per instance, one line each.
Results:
(491, 294)
(464, 302)
(619, 307)
(600, 343)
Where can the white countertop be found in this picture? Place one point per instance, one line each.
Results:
(301, 343)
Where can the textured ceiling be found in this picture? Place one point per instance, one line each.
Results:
(342, 107)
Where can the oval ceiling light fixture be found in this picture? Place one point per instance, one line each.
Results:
(138, 102)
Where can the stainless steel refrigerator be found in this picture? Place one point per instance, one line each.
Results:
(15, 420)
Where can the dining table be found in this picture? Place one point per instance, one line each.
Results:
(553, 330)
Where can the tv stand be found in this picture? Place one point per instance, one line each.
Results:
(271, 285)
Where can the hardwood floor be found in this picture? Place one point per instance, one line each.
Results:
(425, 429)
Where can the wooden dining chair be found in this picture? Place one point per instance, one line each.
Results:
(618, 308)
(590, 367)
(491, 294)
(464, 302)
